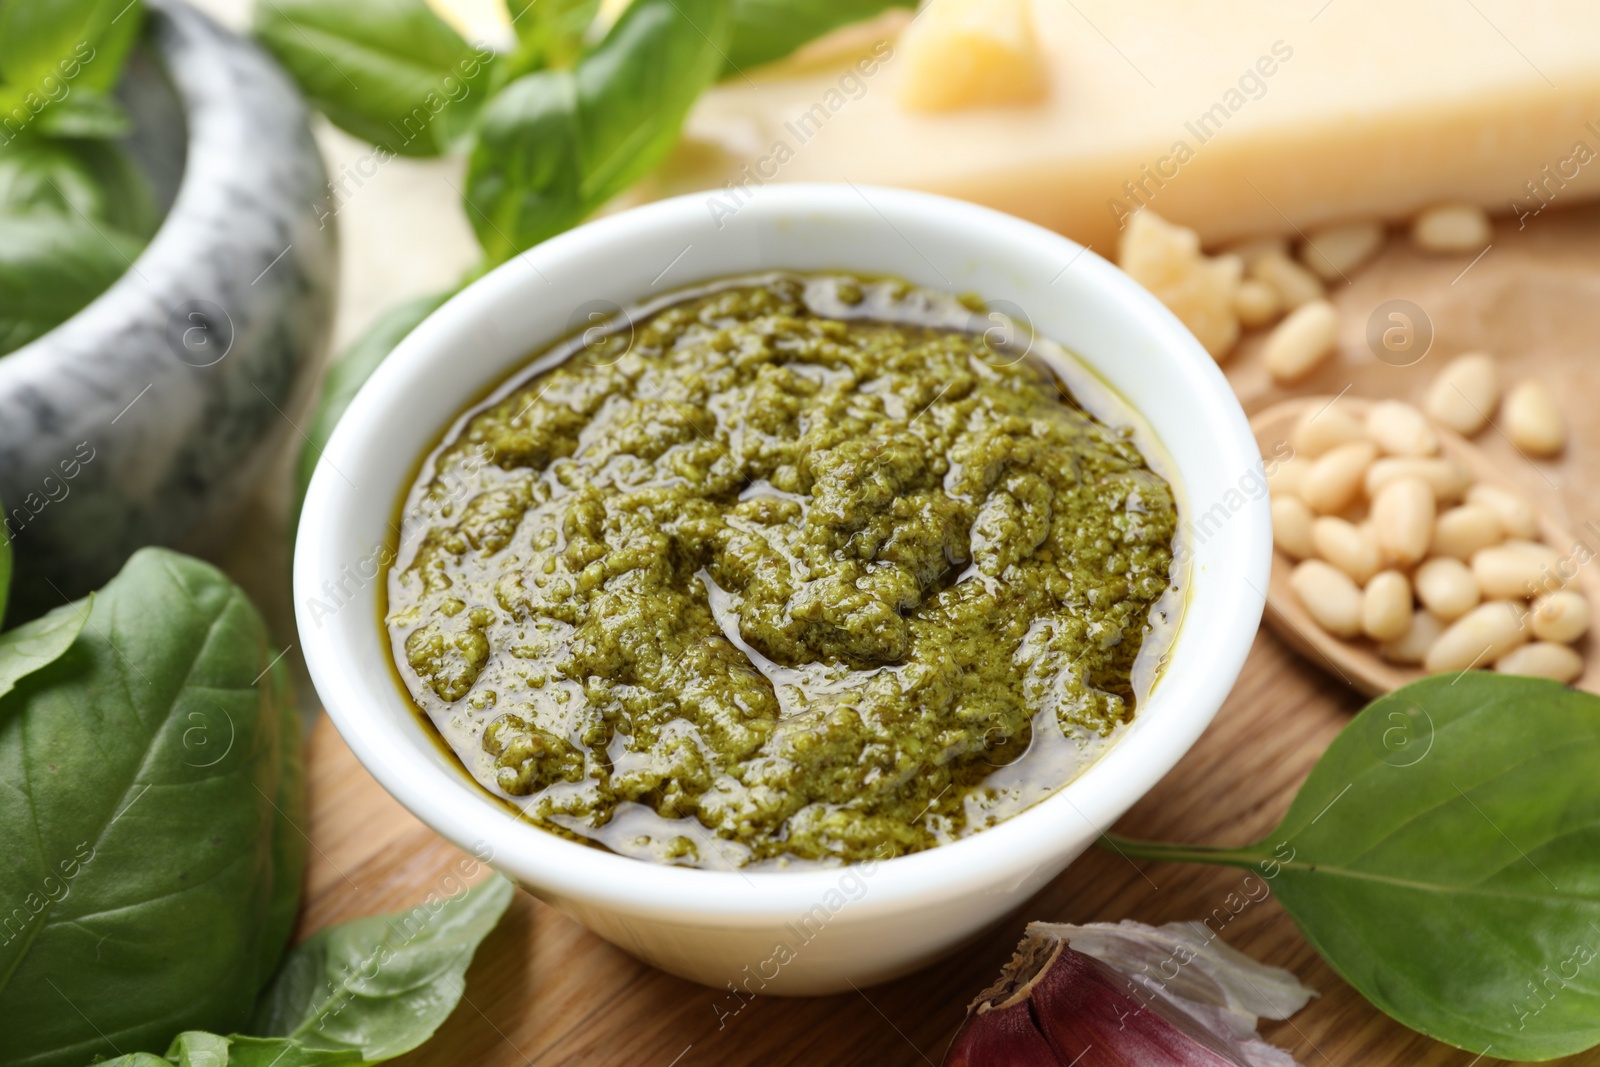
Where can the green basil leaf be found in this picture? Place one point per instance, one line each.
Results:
(91, 179)
(346, 376)
(197, 1048)
(137, 777)
(291, 816)
(1441, 857)
(765, 30)
(84, 114)
(380, 986)
(51, 266)
(40, 175)
(26, 116)
(555, 145)
(550, 35)
(5, 568)
(127, 200)
(78, 44)
(39, 643)
(244, 1051)
(535, 20)
(389, 71)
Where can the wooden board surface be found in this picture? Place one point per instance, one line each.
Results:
(546, 992)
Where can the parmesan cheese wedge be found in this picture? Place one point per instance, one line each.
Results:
(1246, 118)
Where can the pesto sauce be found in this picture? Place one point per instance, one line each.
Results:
(784, 569)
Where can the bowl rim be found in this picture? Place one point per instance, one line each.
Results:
(1009, 852)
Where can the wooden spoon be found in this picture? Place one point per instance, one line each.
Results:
(1357, 661)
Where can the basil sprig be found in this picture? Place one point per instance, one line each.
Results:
(556, 144)
(389, 71)
(552, 129)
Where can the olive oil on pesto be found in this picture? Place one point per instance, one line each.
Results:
(787, 569)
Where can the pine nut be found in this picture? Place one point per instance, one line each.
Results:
(1517, 516)
(1256, 303)
(1451, 228)
(1334, 481)
(1329, 597)
(1288, 476)
(1318, 432)
(1447, 588)
(1477, 639)
(1464, 393)
(1386, 606)
(1301, 342)
(1251, 249)
(1402, 519)
(1295, 285)
(1532, 420)
(1410, 647)
(1515, 569)
(1463, 530)
(1399, 429)
(1351, 548)
(1333, 252)
(1291, 527)
(1542, 659)
(1560, 616)
(1445, 476)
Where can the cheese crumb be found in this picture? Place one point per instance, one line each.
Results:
(972, 53)
(1202, 291)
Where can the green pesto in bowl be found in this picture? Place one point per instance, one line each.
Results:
(785, 569)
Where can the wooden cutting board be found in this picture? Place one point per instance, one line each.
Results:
(546, 992)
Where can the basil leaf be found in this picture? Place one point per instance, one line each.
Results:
(127, 200)
(1441, 857)
(39, 175)
(137, 773)
(555, 145)
(380, 986)
(281, 1052)
(765, 30)
(345, 378)
(549, 35)
(291, 816)
(59, 62)
(51, 267)
(83, 179)
(33, 645)
(358, 993)
(5, 567)
(84, 114)
(196, 1048)
(389, 71)
(78, 44)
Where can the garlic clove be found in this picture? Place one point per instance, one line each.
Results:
(1053, 1002)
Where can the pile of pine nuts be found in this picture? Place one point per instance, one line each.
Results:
(1392, 541)
(1256, 282)
(1395, 543)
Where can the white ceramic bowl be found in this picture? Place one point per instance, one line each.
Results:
(798, 932)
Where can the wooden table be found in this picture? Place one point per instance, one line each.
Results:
(545, 991)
